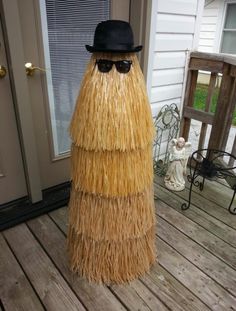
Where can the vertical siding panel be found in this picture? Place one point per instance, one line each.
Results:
(173, 28)
(209, 26)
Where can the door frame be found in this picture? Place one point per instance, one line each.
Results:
(15, 50)
(56, 196)
(21, 98)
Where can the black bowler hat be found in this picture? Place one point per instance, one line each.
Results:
(113, 36)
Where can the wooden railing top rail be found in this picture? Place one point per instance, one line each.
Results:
(225, 58)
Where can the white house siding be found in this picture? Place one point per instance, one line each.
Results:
(174, 28)
(211, 25)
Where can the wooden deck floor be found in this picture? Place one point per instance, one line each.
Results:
(196, 268)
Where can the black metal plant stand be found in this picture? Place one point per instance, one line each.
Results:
(211, 164)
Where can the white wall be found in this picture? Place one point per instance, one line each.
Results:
(211, 26)
(174, 28)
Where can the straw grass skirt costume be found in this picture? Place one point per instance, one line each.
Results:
(111, 237)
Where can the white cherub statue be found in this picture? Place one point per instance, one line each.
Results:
(179, 154)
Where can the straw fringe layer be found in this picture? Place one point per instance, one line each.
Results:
(111, 262)
(112, 173)
(111, 234)
(112, 110)
(114, 219)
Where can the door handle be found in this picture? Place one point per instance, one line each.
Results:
(30, 69)
(3, 71)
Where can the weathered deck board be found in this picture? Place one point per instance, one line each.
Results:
(151, 300)
(50, 237)
(127, 294)
(204, 260)
(61, 217)
(196, 269)
(201, 202)
(217, 227)
(215, 296)
(209, 241)
(173, 293)
(16, 292)
(136, 297)
(217, 192)
(52, 289)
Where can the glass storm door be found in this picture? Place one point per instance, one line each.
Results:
(54, 33)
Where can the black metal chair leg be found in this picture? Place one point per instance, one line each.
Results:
(185, 205)
(232, 210)
(201, 184)
(211, 164)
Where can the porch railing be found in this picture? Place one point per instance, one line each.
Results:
(221, 120)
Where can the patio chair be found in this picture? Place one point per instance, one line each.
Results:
(211, 164)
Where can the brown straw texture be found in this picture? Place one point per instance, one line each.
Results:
(114, 219)
(112, 173)
(112, 110)
(109, 261)
(111, 236)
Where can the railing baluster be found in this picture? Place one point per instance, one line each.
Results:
(222, 111)
(189, 101)
(207, 109)
(222, 118)
(229, 112)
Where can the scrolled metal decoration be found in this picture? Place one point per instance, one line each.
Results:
(167, 124)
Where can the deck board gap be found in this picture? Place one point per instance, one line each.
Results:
(58, 226)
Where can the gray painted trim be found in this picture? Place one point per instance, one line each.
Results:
(138, 18)
(22, 98)
(120, 9)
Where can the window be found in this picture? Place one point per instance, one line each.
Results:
(67, 26)
(228, 44)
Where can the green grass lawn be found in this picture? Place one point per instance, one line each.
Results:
(200, 99)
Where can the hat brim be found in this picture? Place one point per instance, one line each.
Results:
(93, 49)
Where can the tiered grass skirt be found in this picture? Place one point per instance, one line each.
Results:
(111, 236)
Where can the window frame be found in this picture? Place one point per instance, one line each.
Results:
(222, 29)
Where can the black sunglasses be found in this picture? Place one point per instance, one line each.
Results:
(105, 65)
